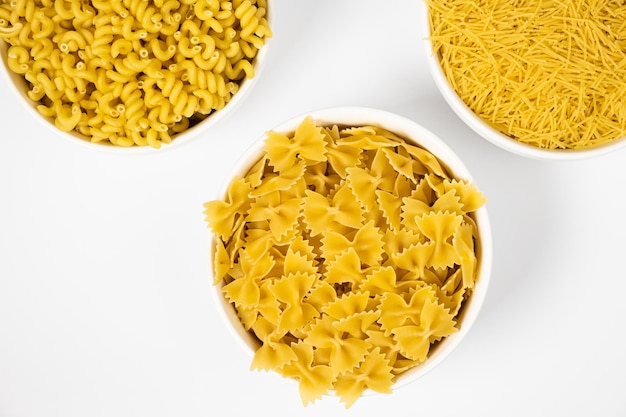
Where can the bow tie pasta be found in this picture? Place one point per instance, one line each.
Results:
(348, 253)
(132, 72)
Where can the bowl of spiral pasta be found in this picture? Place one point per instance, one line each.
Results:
(130, 74)
(542, 79)
(351, 252)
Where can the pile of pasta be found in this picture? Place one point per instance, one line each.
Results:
(132, 72)
(551, 74)
(348, 252)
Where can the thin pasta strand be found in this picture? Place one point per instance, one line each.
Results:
(546, 73)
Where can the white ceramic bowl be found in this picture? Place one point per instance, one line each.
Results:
(412, 132)
(487, 131)
(19, 87)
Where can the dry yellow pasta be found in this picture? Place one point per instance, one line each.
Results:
(348, 253)
(132, 72)
(551, 74)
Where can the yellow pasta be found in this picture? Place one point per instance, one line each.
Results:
(185, 60)
(550, 74)
(348, 253)
(68, 117)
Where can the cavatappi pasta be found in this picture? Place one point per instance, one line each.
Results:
(132, 72)
(348, 252)
(551, 74)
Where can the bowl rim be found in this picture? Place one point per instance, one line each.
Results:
(413, 133)
(488, 132)
(17, 84)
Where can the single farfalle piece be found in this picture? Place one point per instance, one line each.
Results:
(222, 262)
(417, 203)
(268, 306)
(248, 316)
(345, 268)
(403, 164)
(237, 240)
(435, 182)
(397, 241)
(345, 351)
(273, 353)
(366, 138)
(403, 187)
(414, 206)
(452, 293)
(321, 294)
(296, 262)
(364, 182)
(314, 379)
(384, 342)
(280, 212)
(357, 324)
(415, 258)
(367, 242)
(244, 291)
(291, 290)
(378, 281)
(347, 305)
(374, 373)
(396, 311)
(391, 207)
(471, 199)
(257, 172)
(340, 156)
(439, 227)
(280, 181)
(322, 213)
(449, 201)
(463, 244)
(348, 212)
(300, 245)
(435, 322)
(426, 158)
(320, 178)
(307, 143)
(259, 240)
(221, 214)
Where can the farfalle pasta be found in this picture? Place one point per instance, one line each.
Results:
(348, 253)
(132, 72)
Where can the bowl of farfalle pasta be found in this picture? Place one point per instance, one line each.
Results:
(130, 74)
(544, 80)
(350, 251)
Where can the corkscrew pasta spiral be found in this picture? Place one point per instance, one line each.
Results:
(132, 72)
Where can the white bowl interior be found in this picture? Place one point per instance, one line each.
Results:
(490, 133)
(357, 116)
(19, 87)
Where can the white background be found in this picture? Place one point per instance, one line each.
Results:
(105, 297)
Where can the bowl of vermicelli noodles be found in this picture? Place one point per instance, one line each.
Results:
(132, 75)
(540, 79)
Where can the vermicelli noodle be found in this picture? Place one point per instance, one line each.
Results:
(547, 73)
